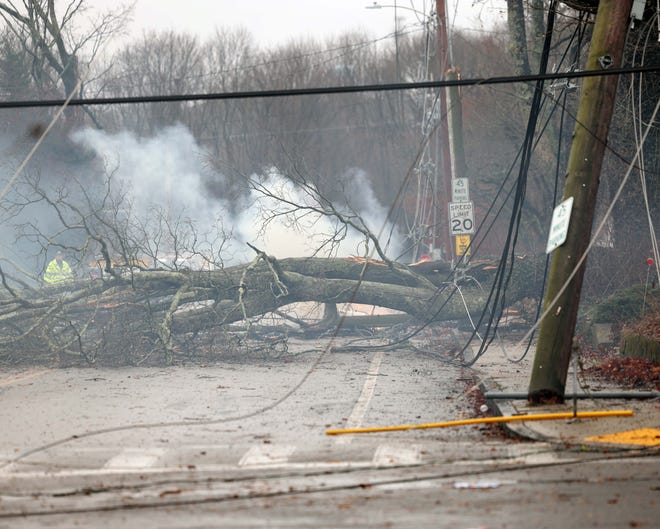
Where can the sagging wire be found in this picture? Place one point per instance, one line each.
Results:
(579, 31)
(539, 306)
(446, 282)
(564, 110)
(592, 242)
(484, 226)
(597, 232)
(529, 336)
(631, 166)
(505, 266)
(637, 132)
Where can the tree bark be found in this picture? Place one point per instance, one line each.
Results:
(518, 42)
(158, 311)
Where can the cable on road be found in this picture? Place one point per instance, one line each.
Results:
(289, 492)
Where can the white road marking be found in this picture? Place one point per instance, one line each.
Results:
(135, 458)
(362, 404)
(259, 455)
(394, 455)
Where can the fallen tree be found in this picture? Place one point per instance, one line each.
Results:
(164, 293)
(162, 315)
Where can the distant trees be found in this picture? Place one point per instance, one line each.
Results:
(164, 63)
(57, 49)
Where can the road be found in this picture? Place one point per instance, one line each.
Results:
(242, 443)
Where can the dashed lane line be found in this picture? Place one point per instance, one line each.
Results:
(362, 404)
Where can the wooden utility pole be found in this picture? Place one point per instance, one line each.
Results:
(455, 122)
(458, 165)
(444, 196)
(553, 352)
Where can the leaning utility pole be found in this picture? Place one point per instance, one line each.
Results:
(553, 351)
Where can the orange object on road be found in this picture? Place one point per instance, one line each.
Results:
(488, 420)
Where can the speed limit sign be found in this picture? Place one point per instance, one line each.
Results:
(461, 218)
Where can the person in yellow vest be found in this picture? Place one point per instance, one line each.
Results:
(58, 270)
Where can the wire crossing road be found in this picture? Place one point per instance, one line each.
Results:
(153, 446)
(84, 411)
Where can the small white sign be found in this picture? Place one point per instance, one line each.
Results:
(561, 218)
(460, 190)
(461, 218)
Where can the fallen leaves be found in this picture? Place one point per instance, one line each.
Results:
(627, 371)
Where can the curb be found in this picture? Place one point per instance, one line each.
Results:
(505, 408)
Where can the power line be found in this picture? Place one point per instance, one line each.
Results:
(254, 94)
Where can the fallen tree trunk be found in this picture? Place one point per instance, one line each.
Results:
(156, 314)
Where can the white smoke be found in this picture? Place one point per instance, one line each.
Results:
(167, 170)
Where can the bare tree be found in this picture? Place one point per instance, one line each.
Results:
(49, 34)
(160, 63)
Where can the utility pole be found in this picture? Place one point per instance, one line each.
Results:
(444, 196)
(461, 228)
(555, 343)
(455, 122)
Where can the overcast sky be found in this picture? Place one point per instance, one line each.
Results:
(276, 21)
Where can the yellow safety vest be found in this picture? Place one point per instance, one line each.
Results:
(56, 273)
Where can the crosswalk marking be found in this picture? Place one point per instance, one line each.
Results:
(135, 458)
(99, 461)
(266, 455)
(393, 455)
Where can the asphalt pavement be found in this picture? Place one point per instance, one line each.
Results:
(73, 455)
(504, 372)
